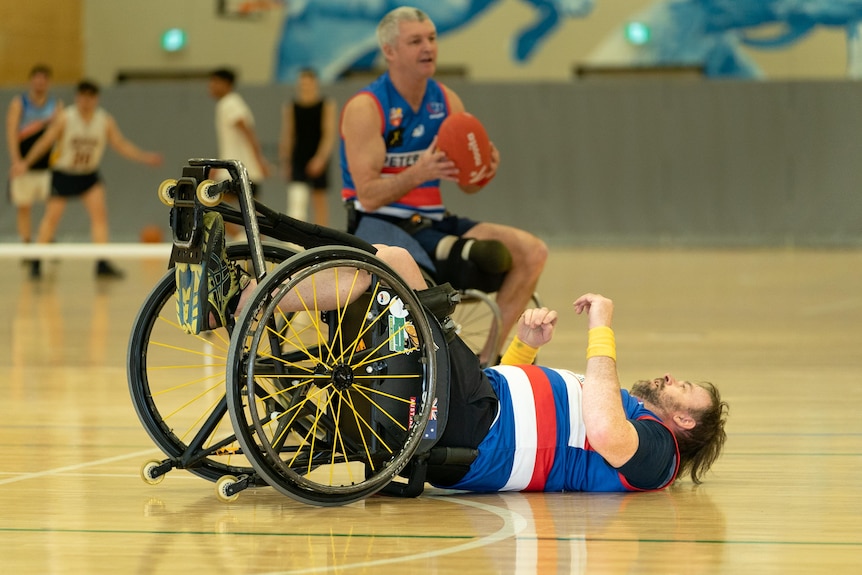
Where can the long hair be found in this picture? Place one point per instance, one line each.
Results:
(388, 28)
(700, 446)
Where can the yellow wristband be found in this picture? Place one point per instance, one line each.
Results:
(519, 353)
(601, 343)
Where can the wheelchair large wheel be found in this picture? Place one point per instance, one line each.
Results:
(478, 322)
(177, 383)
(331, 378)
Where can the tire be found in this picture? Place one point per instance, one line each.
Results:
(177, 381)
(342, 391)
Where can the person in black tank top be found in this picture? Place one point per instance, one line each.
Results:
(305, 147)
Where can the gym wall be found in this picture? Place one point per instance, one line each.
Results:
(603, 162)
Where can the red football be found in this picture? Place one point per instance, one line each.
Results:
(464, 140)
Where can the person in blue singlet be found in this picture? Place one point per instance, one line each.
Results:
(534, 428)
(27, 118)
(392, 169)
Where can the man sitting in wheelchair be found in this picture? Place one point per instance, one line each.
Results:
(531, 428)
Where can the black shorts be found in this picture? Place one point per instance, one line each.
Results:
(66, 185)
(429, 236)
(472, 408)
(320, 182)
(450, 225)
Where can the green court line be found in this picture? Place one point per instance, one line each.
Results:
(426, 537)
(238, 533)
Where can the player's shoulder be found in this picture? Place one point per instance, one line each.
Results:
(362, 107)
(455, 103)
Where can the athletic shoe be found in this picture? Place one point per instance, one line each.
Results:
(210, 287)
(35, 268)
(104, 269)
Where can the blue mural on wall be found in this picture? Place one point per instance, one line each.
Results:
(334, 36)
(712, 33)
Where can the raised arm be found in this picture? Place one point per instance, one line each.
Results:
(365, 149)
(609, 431)
(535, 329)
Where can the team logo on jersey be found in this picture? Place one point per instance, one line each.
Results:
(419, 131)
(395, 116)
(436, 110)
(395, 138)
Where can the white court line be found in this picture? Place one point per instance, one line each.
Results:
(59, 470)
(513, 523)
(86, 250)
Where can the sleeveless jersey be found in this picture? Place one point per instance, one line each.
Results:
(538, 441)
(307, 127)
(82, 144)
(407, 134)
(34, 121)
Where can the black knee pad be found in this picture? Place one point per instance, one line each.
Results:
(475, 264)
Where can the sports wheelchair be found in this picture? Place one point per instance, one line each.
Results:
(330, 386)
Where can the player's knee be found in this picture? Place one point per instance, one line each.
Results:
(531, 255)
(469, 263)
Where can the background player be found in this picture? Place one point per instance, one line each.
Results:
(81, 133)
(305, 147)
(235, 131)
(27, 119)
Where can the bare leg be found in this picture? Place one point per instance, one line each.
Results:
(529, 254)
(338, 286)
(54, 209)
(25, 228)
(94, 202)
(321, 207)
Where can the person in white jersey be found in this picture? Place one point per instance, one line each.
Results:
(235, 131)
(27, 118)
(81, 133)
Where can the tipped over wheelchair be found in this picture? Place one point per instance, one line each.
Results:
(330, 385)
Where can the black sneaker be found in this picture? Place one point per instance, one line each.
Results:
(104, 269)
(210, 287)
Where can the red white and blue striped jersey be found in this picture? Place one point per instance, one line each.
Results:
(538, 442)
(407, 134)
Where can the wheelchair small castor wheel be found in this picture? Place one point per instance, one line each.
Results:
(222, 488)
(205, 196)
(167, 192)
(148, 472)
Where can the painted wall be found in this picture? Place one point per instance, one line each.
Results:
(123, 35)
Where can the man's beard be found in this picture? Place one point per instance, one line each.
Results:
(648, 391)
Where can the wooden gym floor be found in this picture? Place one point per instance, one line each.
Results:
(780, 331)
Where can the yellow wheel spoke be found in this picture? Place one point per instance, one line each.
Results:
(383, 411)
